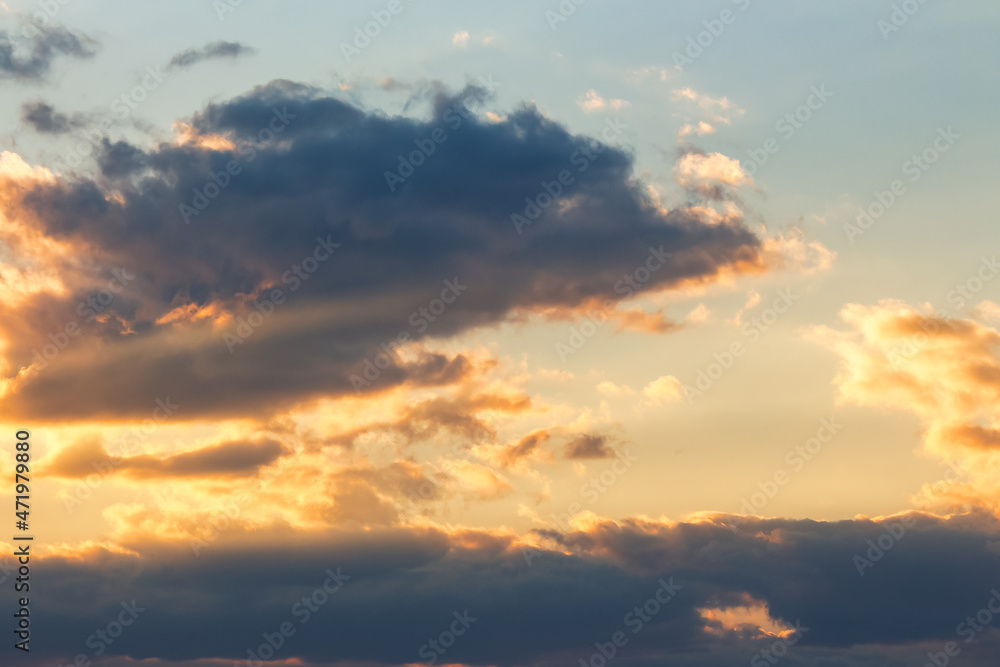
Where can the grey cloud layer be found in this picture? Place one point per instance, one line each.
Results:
(405, 584)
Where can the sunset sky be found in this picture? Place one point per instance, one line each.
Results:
(471, 333)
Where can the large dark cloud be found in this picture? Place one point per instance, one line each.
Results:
(27, 54)
(322, 177)
(406, 583)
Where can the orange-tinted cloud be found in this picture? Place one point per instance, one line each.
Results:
(228, 459)
(945, 370)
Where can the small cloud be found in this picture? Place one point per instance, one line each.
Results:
(555, 375)
(753, 300)
(701, 129)
(524, 448)
(720, 109)
(461, 38)
(643, 74)
(592, 101)
(988, 310)
(589, 446)
(705, 173)
(211, 51)
(791, 250)
(46, 120)
(611, 389)
(666, 389)
(715, 109)
(699, 315)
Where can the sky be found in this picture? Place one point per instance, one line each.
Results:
(525, 333)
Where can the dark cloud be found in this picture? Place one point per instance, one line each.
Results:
(210, 51)
(229, 459)
(405, 585)
(27, 54)
(589, 446)
(120, 159)
(445, 234)
(46, 120)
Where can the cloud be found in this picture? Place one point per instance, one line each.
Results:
(701, 129)
(524, 448)
(718, 109)
(781, 571)
(322, 180)
(211, 51)
(589, 446)
(228, 459)
(665, 389)
(592, 101)
(461, 38)
(700, 314)
(609, 388)
(28, 56)
(713, 110)
(457, 415)
(708, 174)
(944, 370)
(46, 120)
(988, 310)
(753, 300)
